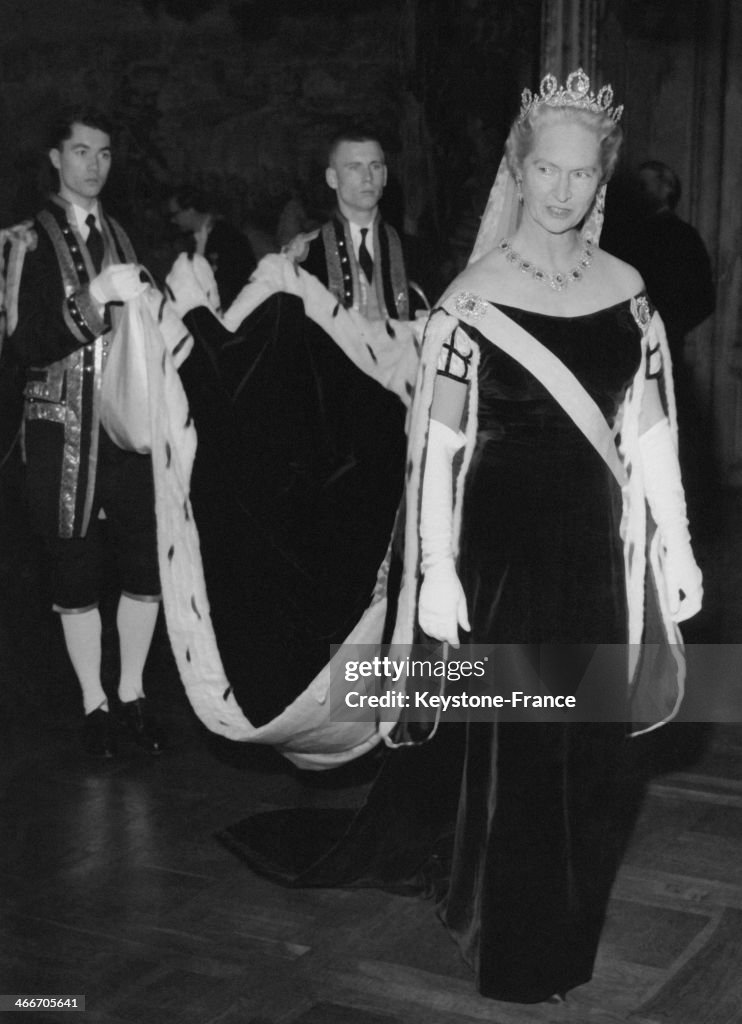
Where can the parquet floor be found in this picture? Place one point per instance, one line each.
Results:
(113, 886)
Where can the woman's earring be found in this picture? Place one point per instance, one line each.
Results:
(518, 183)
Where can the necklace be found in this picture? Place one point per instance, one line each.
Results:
(558, 282)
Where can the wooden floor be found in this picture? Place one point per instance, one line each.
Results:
(114, 887)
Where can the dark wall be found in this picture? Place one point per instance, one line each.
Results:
(241, 96)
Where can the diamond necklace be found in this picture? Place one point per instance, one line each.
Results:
(558, 282)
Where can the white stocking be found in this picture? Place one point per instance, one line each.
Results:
(82, 636)
(135, 621)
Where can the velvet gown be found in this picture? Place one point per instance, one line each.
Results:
(516, 840)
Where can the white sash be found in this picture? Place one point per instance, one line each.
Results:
(550, 371)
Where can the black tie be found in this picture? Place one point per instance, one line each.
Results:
(364, 257)
(94, 242)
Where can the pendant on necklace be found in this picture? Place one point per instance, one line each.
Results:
(559, 281)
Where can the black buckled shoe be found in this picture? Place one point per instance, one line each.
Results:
(142, 725)
(98, 739)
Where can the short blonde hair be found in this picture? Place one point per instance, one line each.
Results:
(520, 140)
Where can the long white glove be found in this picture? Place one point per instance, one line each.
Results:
(442, 606)
(117, 283)
(664, 491)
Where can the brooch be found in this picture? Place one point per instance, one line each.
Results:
(470, 305)
(642, 313)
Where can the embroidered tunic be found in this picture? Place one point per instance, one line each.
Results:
(328, 255)
(62, 340)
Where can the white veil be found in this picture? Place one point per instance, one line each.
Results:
(502, 214)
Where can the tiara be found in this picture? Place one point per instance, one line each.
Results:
(574, 93)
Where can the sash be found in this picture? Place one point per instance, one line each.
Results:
(550, 371)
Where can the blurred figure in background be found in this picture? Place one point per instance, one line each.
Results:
(293, 219)
(668, 252)
(672, 258)
(226, 248)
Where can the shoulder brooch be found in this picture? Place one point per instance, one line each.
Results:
(470, 305)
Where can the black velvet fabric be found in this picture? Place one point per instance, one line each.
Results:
(509, 826)
(400, 840)
(555, 572)
(532, 863)
(298, 476)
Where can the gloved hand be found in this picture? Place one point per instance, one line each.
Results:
(442, 604)
(190, 284)
(117, 283)
(664, 492)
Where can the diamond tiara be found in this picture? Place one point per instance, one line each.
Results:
(574, 93)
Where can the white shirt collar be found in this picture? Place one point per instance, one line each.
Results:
(81, 216)
(355, 234)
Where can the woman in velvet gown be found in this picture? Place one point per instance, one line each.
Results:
(524, 884)
(534, 856)
(511, 826)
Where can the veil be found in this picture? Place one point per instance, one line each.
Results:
(502, 214)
